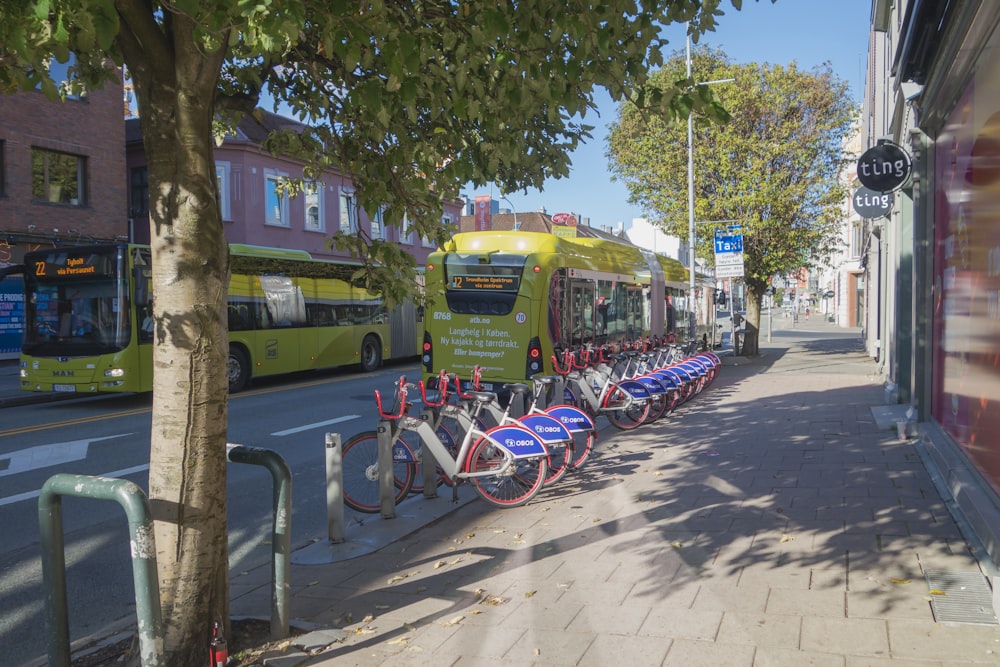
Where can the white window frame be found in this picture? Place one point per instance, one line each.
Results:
(427, 242)
(222, 175)
(406, 231)
(348, 211)
(278, 217)
(378, 224)
(313, 193)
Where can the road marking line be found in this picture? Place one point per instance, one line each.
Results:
(46, 456)
(10, 500)
(309, 427)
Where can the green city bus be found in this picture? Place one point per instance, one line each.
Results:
(89, 325)
(508, 301)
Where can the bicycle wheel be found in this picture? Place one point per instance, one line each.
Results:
(560, 457)
(622, 411)
(359, 457)
(583, 444)
(510, 486)
(658, 405)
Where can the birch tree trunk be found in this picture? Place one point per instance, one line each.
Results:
(187, 478)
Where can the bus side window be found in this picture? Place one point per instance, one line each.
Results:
(144, 315)
(560, 312)
(261, 317)
(239, 317)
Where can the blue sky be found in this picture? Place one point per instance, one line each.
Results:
(808, 32)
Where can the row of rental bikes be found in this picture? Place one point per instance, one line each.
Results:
(508, 454)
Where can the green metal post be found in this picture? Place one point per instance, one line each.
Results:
(281, 532)
(140, 521)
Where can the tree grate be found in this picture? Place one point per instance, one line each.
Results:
(961, 597)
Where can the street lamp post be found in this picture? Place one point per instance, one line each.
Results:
(691, 243)
(512, 210)
(691, 226)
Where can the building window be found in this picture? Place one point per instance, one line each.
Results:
(57, 177)
(315, 220)
(222, 172)
(275, 202)
(406, 231)
(139, 192)
(854, 249)
(429, 242)
(348, 212)
(378, 223)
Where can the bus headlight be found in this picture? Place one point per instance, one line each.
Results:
(114, 373)
(24, 372)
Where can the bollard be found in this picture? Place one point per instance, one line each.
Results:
(386, 479)
(427, 463)
(281, 529)
(143, 547)
(334, 489)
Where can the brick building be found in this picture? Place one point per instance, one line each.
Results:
(62, 170)
(252, 211)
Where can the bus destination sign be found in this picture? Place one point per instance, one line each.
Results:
(68, 265)
(482, 282)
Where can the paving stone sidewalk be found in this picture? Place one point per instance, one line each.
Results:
(771, 521)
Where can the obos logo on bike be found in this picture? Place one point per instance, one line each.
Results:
(520, 317)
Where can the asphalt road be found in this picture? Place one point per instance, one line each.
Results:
(109, 436)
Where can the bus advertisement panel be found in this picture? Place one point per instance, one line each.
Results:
(508, 301)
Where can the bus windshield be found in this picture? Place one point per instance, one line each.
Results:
(76, 303)
(482, 283)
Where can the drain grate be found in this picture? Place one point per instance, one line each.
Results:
(965, 598)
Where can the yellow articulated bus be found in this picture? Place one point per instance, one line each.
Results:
(508, 301)
(89, 325)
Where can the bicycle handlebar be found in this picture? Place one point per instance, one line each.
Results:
(567, 358)
(458, 387)
(401, 389)
(442, 384)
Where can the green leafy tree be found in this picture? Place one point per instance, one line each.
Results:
(774, 168)
(410, 98)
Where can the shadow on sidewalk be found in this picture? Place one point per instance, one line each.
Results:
(789, 482)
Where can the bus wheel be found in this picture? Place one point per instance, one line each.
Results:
(239, 369)
(371, 354)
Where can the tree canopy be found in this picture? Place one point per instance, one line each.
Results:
(774, 169)
(410, 98)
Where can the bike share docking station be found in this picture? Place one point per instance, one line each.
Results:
(350, 534)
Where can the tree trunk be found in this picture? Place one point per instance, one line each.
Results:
(187, 473)
(751, 340)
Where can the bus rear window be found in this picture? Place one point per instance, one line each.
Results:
(482, 283)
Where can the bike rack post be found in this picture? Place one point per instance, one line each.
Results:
(386, 480)
(334, 489)
(281, 530)
(147, 592)
(427, 462)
